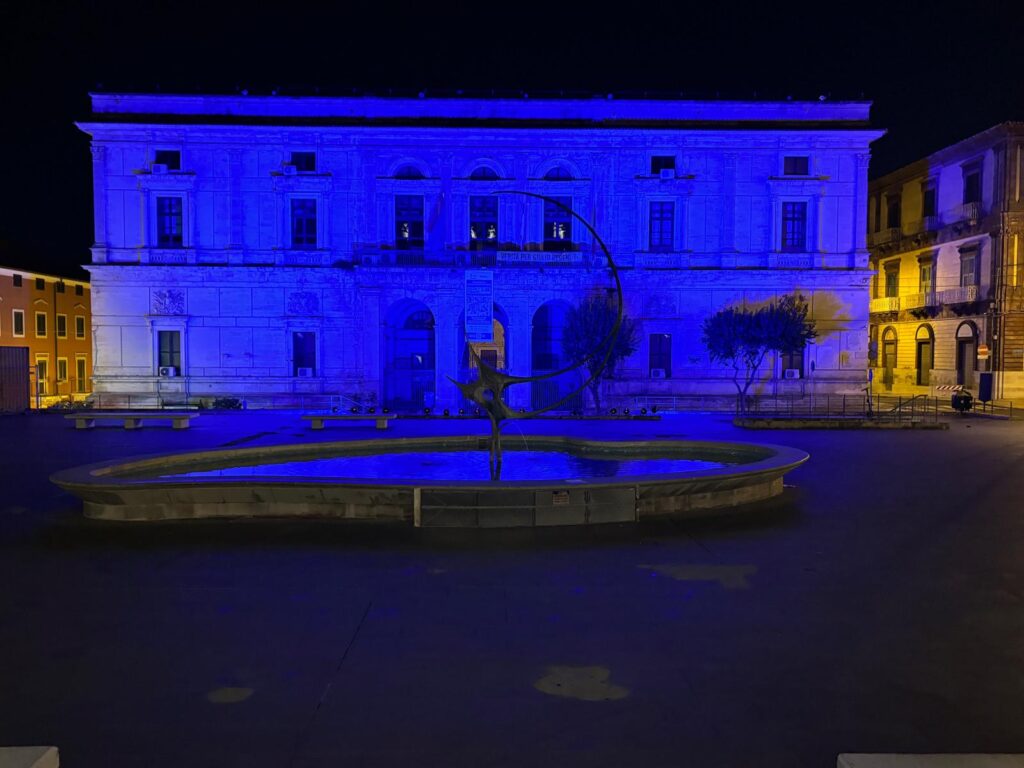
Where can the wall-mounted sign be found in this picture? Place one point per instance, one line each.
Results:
(983, 352)
(479, 305)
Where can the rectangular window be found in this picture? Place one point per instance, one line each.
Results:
(18, 322)
(972, 186)
(81, 383)
(40, 284)
(303, 353)
(796, 166)
(169, 349)
(558, 224)
(303, 223)
(79, 327)
(60, 287)
(926, 281)
(661, 163)
(483, 221)
(408, 221)
(794, 227)
(169, 157)
(968, 268)
(892, 280)
(928, 202)
(40, 325)
(892, 210)
(878, 213)
(304, 162)
(42, 374)
(660, 355)
(62, 326)
(78, 290)
(62, 369)
(661, 226)
(169, 223)
(17, 281)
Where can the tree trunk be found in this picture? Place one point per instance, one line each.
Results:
(595, 394)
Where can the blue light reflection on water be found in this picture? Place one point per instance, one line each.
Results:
(464, 465)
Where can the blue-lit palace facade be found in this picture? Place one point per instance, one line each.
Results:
(294, 251)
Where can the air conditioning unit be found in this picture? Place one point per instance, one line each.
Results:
(290, 170)
(158, 168)
(168, 371)
(667, 173)
(791, 373)
(304, 373)
(657, 373)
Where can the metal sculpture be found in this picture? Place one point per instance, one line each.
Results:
(488, 389)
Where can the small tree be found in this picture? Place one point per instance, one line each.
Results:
(586, 326)
(742, 338)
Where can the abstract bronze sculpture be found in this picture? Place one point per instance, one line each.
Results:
(489, 388)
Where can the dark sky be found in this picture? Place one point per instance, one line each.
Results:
(936, 72)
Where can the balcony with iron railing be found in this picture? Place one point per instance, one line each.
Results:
(885, 236)
(962, 295)
(886, 304)
(969, 212)
(918, 300)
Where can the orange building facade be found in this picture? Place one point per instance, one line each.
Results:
(52, 317)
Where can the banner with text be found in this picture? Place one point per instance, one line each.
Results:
(479, 305)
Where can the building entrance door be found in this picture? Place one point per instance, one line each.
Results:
(888, 363)
(966, 351)
(924, 362)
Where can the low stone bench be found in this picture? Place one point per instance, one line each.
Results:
(132, 420)
(29, 757)
(316, 421)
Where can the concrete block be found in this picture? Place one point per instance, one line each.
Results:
(29, 757)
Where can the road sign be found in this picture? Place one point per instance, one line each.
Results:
(983, 352)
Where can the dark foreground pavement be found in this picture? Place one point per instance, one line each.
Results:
(876, 608)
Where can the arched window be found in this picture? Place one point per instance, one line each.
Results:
(558, 173)
(966, 353)
(483, 173)
(420, 320)
(925, 354)
(409, 171)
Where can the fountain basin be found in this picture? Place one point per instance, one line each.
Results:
(434, 482)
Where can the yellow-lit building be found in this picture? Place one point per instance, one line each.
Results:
(946, 237)
(51, 316)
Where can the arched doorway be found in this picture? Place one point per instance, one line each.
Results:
(493, 353)
(889, 341)
(409, 357)
(548, 355)
(966, 353)
(925, 355)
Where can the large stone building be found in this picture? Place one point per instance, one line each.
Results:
(947, 244)
(50, 318)
(286, 250)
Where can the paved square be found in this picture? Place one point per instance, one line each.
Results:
(876, 608)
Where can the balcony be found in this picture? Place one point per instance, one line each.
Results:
(963, 295)
(918, 300)
(969, 212)
(886, 304)
(885, 236)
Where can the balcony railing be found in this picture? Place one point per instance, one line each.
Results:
(883, 236)
(970, 212)
(886, 304)
(962, 295)
(918, 300)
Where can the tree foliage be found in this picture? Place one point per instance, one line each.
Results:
(741, 337)
(587, 325)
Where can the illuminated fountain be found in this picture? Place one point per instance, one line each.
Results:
(448, 481)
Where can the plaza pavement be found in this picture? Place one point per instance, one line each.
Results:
(877, 607)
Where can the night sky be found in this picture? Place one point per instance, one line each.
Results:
(936, 73)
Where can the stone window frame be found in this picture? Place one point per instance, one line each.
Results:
(154, 218)
(678, 230)
(304, 150)
(927, 260)
(970, 250)
(967, 168)
(80, 320)
(318, 207)
(14, 325)
(46, 329)
(159, 323)
(894, 198)
(57, 325)
(794, 156)
(892, 266)
(164, 147)
(809, 222)
(930, 184)
(81, 380)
